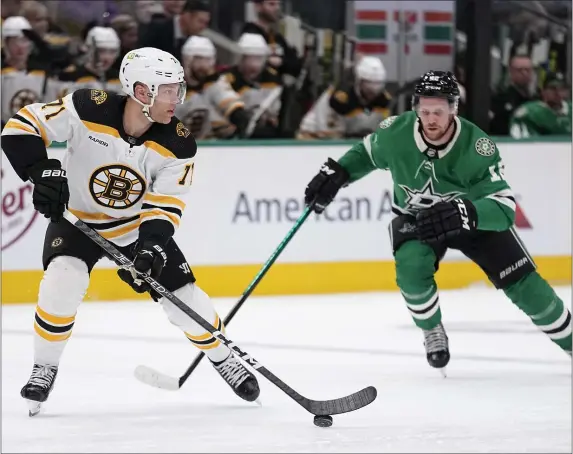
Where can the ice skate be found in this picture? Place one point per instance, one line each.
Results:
(243, 382)
(39, 386)
(437, 349)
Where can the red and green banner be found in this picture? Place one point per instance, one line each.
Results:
(438, 32)
(371, 31)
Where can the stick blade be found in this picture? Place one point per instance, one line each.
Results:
(156, 379)
(345, 404)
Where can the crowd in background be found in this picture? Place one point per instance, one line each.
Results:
(267, 93)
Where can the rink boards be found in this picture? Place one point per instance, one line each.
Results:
(245, 196)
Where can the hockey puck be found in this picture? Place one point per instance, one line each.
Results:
(323, 420)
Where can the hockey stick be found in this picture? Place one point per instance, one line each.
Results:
(317, 407)
(265, 105)
(157, 379)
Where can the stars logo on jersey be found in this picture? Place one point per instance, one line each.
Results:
(98, 96)
(387, 121)
(116, 186)
(485, 146)
(426, 197)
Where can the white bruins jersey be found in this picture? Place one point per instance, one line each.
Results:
(116, 181)
(340, 112)
(78, 77)
(207, 107)
(20, 88)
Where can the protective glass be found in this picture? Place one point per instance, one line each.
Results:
(171, 93)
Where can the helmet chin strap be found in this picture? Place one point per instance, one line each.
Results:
(145, 111)
(146, 108)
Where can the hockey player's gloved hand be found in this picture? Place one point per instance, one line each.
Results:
(51, 193)
(325, 185)
(446, 220)
(149, 258)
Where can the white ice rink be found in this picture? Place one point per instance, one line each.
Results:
(508, 389)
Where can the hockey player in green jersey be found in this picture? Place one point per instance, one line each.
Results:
(449, 192)
(550, 116)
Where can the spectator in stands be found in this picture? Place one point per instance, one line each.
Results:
(97, 72)
(50, 43)
(20, 85)
(145, 10)
(37, 14)
(171, 8)
(212, 109)
(259, 85)
(284, 57)
(126, 28)
(350, 110)
(170, 34)
(10, 8)
(509, 98)
(549, 116)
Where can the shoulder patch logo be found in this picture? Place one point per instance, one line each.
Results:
(182, 131)
(341, 96)
(485, 146)
(98, 96)
(387, 122)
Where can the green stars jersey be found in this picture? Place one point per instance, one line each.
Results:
(536, 118)
(469, 167)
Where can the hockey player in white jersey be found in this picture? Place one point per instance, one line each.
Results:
(259, 85)
(352, 109)
(21, 85)
(128, 165)
(97, 72)
(212, 109)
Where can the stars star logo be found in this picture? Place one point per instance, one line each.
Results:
(426, 197)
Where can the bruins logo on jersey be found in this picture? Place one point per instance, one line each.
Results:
(23, 98)
(116, 186)
(182, 131)
(98, 96)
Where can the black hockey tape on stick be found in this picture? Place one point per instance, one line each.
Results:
(345, 404)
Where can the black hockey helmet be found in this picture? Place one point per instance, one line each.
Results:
(437, 84)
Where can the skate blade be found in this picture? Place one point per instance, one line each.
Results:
(443, 372)
(258, 402)
(33, 407)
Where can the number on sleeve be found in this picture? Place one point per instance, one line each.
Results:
(187, 172)
(497, 174)
(59, 103)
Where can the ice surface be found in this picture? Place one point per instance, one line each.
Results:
(508, 387)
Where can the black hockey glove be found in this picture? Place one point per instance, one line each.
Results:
(51, 193)
(150, 258)
(446, 220)
(325, 185)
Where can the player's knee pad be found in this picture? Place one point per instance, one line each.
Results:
(415, 265)
(64, 286)
(194, 297)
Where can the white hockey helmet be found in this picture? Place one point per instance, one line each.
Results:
(198, 46)
(371, 69)
(156, 69)
(13, 26)
(253, 44)
(103, 38)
